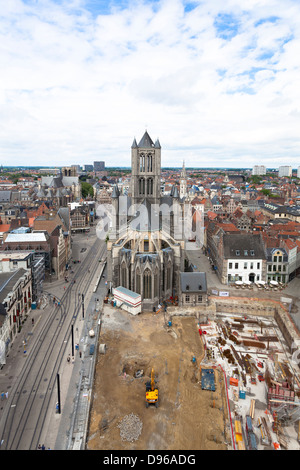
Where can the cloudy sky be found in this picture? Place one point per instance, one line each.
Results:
(217, 81)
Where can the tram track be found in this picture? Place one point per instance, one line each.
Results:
(25, 414)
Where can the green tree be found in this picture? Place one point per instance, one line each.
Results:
(86, 190)
(266, 192)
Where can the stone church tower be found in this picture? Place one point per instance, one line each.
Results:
(145, 170)
(142, 254)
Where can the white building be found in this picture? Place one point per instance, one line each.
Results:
(259, 170)
(298, 172)
(285, 170)
(244, 270)
(244, 258)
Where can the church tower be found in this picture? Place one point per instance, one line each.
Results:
(146, 257)
(183, 183)
(145, 170)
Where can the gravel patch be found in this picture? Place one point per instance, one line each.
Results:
(130, 428)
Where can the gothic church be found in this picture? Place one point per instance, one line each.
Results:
(145, 250)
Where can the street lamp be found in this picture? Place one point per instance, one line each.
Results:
(72, 334)
(82, 303)
(58, 395)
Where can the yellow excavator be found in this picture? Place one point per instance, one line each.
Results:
(151, 391)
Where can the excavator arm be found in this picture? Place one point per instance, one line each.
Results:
(151, 391)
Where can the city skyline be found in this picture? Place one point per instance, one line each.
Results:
(217, 84)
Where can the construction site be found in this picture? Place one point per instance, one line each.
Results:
(222, 381)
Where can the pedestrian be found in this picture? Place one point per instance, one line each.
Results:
(6, 395)
(2, 395)
(43, 447)
(39, 447)
(80, 354)
(68, 359)
(32, 321)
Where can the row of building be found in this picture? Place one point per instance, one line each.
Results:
(249, 231)
(35, 244)
(284, 170)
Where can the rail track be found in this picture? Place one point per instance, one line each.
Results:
(26, 410)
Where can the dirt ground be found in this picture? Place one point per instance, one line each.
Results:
(188, 418)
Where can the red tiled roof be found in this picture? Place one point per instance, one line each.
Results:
(290, 243)
(4, 227)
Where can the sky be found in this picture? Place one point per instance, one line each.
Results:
(216, 81)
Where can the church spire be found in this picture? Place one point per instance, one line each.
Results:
(183, 172)
(183, 182)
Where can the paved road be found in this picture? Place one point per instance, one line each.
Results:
(30, 376)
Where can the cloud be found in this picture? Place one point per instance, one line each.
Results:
(214, 81)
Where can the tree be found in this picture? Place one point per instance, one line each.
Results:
(266, 192)
(86, 189)
(255, 179)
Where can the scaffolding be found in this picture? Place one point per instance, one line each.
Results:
(38, 276)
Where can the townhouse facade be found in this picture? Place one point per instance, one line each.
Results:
(277, 265)
(15, 304)
(237, 257)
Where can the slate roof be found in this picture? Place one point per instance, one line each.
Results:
(271, 251)
(193, 282)
(5, 196)
(146, 141)
(8, 280)
(243, 246)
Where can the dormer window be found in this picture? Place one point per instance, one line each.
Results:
(252, 252)
(187, 287)
(237, 252)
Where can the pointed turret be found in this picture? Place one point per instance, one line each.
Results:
(175, 194)
(115, 192)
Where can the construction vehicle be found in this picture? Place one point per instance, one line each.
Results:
(151, 391)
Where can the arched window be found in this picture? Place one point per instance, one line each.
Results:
(147, 284)
(150, 186)
(142, 162)
(149, 162)
(142, 186)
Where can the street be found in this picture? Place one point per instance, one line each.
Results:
(38, 357)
